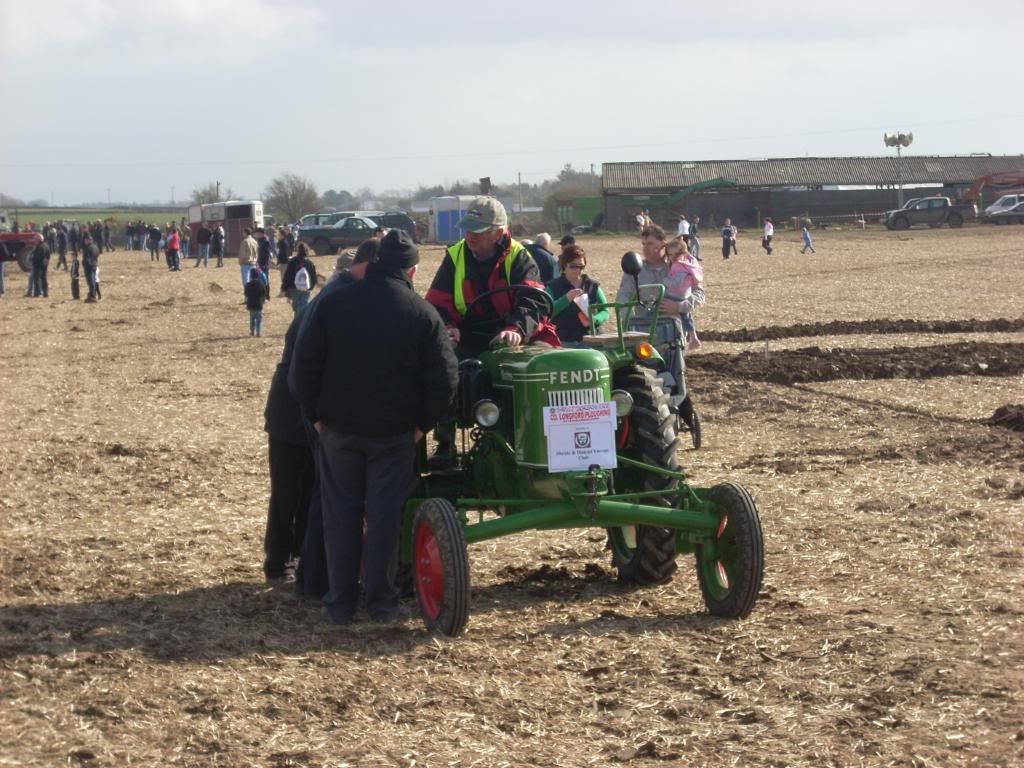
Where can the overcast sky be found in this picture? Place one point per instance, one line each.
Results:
(140, 96)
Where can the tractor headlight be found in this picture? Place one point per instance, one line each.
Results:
(644, 350)
(486, 413)
(623, 402)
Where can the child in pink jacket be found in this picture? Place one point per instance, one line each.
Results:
(685, 285)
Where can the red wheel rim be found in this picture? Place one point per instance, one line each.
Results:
(429, 572)
(624, 433)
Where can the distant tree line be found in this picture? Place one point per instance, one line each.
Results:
(289, 196)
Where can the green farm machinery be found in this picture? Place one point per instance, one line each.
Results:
(576, 438)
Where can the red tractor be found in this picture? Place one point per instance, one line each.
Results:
(20, 246)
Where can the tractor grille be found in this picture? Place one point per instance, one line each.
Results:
(575, 397)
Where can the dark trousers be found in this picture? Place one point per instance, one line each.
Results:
(76, 292)
(311, 575)
(291, 486)
(37, 283)
(363, 478)
(62, 259)
(726, 248)
(766, 243)
(90, 280)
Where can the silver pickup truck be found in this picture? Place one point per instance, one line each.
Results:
(933, 211)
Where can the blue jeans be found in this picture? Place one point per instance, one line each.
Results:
(203, 255)
(255, 321)
(299, 299)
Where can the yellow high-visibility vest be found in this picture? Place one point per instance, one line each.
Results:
(458, 256)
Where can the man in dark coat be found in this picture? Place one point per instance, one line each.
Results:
(204, 237)
(292, 472)
(311, 575)
(37, 283)
(547, 264)
(90, 260)
(373, 371)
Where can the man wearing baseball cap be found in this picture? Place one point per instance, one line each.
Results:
(487, 259)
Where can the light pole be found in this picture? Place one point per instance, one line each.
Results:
(172, 195)
(899, 140)
(108, 197)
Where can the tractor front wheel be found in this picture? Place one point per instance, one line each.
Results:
(731, 569)
(441, 567)
(645, 554)
(689, 421)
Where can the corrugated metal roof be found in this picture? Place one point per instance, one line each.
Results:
(799, 171)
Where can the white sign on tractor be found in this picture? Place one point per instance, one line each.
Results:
(580, 436)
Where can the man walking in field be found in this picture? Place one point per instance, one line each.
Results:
(248, 251)
(766, 239)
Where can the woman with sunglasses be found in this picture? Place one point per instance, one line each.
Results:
(569, 317)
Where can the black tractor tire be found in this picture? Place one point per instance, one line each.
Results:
(901, 223)
(955, 220)
(322, 247)
(646, 554)
(25, 258)
(441, 567)
(689, 421)
(731, 581)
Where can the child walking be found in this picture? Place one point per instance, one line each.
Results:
(685, 276)
(255, 295)
(808, 243)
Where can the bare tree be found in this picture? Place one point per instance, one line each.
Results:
(211, 192)
(290, 196)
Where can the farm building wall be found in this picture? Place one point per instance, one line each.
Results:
(748, 207)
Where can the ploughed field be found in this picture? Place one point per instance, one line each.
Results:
(850, 391)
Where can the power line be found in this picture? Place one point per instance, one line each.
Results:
(501, 153)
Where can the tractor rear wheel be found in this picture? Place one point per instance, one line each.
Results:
(730, 572)
(441, 567)
(25, 258)
(645, 554)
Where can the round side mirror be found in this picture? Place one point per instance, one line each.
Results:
(632, 263)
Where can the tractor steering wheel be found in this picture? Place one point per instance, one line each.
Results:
(537, 293)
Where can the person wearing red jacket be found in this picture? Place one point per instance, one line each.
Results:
(488, 258)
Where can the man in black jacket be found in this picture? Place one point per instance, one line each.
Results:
(37, 282)
(204, 237)
(373, 371)
(90, 260)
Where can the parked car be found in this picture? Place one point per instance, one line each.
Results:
(324, 218)
(1005, 203)
(347, 233)
(1013, 215)
(396, 220)
(933, 211)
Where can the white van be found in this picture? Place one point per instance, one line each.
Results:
(1005, 203)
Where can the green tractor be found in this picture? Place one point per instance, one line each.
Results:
(572, 438)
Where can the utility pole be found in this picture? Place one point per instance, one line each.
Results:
(520, 175)
(108, 197)
(172, 195)
(51, 198)
(218, 193)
